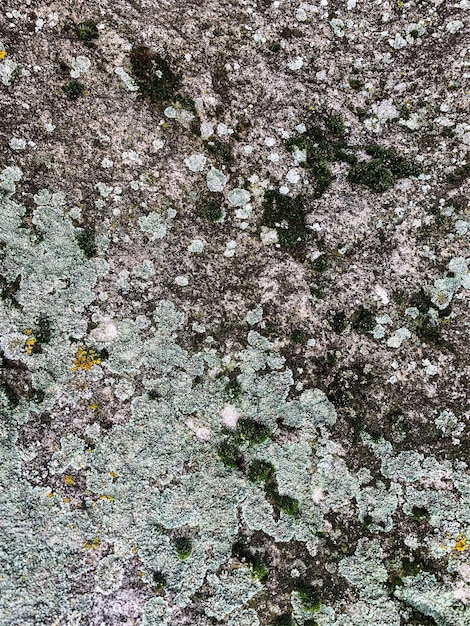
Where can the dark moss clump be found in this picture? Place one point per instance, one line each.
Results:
(385, 168)
(420, 513)
(247, 555)
(258, 570)
(73, 89)
(408, 568)
(320, 264)
(159, 581)
(86, 31)
(233, 389)
(427, 330)
(252, 431)
(287, 216)
(373, 175)
(363, 320)
(323, 176)
(43, 329)
(8, 289)
(183, 547)
(335, 125)
(286, 503)
(10, 394)
(298, 336)
(338, 321)
(87, 243)
(309, 597)
(153, 74)
(398, 165)
(459, 175)
(42, 333)
(230, 455)
(261, 471)
(324, 143)
(211, 210)
(316, 292)
(219, 150)
(284, 620)
(356, 83)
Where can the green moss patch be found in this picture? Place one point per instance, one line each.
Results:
(309, 597)
(382, 172)
(372, 174)
(287, 216)
(153, 75)
(73, 89)
(86, 242)
(86, 31)
(183, 547)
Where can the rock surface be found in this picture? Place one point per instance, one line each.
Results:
(234, 313)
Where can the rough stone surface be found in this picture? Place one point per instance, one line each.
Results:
(234, 279)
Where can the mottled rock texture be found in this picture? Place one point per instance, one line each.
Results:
(234, 248)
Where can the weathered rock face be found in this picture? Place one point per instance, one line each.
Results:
(234, 313)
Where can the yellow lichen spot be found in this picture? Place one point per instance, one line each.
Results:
(96, 543)
(93, 503)
(134, 550)
(66, 500)
(30, 345)
(28, 331)
(93, 407)
(50, 494)
(461, 543)
(3, 54)
(85, 358)
(86, 544)
(114, 475)
(69, 480)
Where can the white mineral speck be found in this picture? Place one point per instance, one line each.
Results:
(230, 416)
